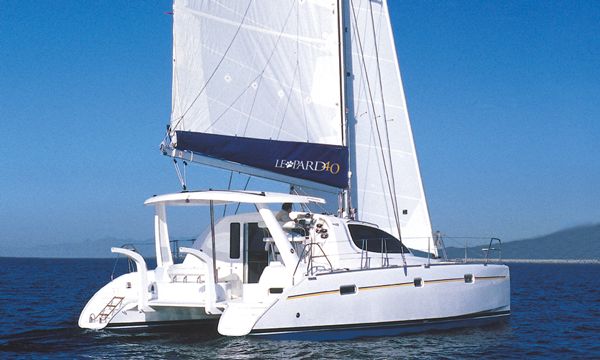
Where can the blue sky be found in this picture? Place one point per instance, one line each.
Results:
(503, 98)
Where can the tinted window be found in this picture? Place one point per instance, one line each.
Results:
(375, 240)
(234, 240)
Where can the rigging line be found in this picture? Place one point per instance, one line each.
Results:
(394, 205)
(179, 176)
(245, 187)
(392, 190)
(218, 64)
(393, 182)
(258, 77)
(233, 102)
(228, 188)
(387, 133)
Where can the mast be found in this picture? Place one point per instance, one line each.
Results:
(346, 210)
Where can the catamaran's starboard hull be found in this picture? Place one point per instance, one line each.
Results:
(389, 301)
(345, 332)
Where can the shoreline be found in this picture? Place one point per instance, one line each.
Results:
(458, 260)
(533, 261)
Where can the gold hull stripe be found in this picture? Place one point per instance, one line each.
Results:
(328, 292)
(376, 287)
(490, 277)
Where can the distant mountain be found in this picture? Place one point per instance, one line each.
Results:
(580, 242)
(99, 248)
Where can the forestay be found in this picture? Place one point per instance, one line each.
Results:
(386, 180)
(260, 73)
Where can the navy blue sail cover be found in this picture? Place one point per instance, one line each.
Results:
(324, 164)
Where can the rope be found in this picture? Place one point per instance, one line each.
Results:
(245, 187)
(387, 133)
(257, 78)
(228, 188)
(179, 176)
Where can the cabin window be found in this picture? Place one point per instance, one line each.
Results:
(275, 290)
(234, 240)
(418, 282)
(375, 240)
(468, 278)
(256, 255)
(347, 289)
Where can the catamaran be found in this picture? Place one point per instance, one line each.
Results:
(307, 93)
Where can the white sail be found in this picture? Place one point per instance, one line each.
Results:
(386, 180)
(267, 69)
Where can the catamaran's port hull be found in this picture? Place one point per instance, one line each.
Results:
(206, 325)
(117, 305)
(163, 317)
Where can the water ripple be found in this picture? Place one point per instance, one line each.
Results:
(555, 314)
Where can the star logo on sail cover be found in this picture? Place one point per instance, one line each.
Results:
(309, 165)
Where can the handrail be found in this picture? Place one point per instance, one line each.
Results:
(490, 248)
(324, 255)
(142, 269)
(300, 258)
(471, 247)
(365, 262)
(310, 258)
(210, 285)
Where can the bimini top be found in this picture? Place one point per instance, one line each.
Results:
(221, 197)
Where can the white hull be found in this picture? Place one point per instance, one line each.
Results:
(117, 305)
(386, 301)
(324, 279)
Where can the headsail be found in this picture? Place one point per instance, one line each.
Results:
(386, 181)
(260, 73)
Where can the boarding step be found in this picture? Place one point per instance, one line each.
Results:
(108, 310)
(240, 317)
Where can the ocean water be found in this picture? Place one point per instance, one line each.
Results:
(555, 314)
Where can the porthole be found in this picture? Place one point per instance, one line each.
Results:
(418, 282)
(347, 289)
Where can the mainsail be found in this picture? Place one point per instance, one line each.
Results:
(386, 182)
(301, 91)
(261, 80)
